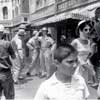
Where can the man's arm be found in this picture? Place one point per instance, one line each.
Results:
(11, 51)
(30, 44)
(74, 43)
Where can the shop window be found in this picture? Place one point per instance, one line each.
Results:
(5, 13)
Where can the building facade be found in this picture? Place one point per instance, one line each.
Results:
(5, 12)
(20, 11)
(61, 16)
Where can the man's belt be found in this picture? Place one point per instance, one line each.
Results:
(20, 49)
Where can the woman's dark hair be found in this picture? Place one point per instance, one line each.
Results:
(64, 51)
(81, 27)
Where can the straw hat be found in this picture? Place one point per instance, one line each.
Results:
(34, 32)
(44, 29)
(21, 32)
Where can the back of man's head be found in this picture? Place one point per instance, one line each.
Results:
(64, 51)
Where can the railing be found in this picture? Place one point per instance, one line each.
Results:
(71, 4)
(43, 12)
(6, 23)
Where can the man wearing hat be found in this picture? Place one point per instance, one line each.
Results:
(34, 46)
(46, 52)
(19, 47)
(6, 80)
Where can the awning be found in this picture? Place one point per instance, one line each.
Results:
(80, 13)
(90, 10)
(73, 14)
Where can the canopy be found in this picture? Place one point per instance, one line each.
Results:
(81, 13)
(60, 17)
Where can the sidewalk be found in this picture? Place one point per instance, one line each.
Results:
(27, 90)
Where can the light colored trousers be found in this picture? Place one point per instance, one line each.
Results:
(18, 65)
(35, 64)
(45, 61)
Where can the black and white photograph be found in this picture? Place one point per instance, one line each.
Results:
(49, 49)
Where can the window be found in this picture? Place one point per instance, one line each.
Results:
(16, 11)
(39, 3)
(13, 13)
(18, 1)
(5, 13)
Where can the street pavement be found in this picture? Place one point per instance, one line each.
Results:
(27, 90)
(28, 87)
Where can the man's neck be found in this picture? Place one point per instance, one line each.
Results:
(63, 78)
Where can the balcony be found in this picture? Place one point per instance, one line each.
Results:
(71, 4)
(6, 23)
(42, 13)
(22, 18)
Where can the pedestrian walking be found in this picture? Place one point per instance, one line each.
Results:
(6, 79)
(34, 46)
(19, 62)
(46, 52)
(64, 84)
(85, 51)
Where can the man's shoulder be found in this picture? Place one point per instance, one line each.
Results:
(49, 82)
(78, 78)
(31, 40)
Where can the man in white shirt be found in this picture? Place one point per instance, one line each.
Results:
(46, 52)
(19, 48)
(34, 46)
(64, 84)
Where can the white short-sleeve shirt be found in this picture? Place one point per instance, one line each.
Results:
(46, 41)
(53, 89)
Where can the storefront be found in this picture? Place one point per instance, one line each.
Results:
(64, 21)
(62, 24)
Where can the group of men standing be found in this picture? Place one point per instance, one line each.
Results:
(13, 59)
(41, 46)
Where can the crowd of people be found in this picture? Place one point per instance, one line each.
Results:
(68, 67)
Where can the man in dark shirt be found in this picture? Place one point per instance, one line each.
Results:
(97, 40)
(6, 80)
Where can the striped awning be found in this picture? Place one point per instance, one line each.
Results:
(61, 17)
(82, 13)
